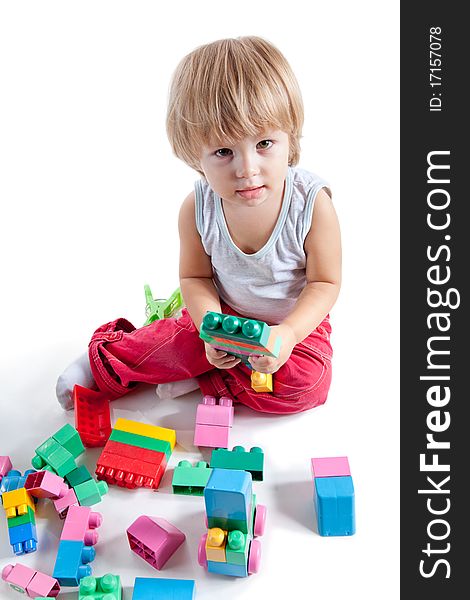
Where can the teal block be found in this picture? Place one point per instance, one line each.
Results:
(238, 458)
(237, 548)
(107, 587)
(50, 455)
(90, 492)
(190, 480)
(78, 475)
(68, 437)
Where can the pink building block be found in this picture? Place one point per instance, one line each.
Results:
(30, 582)
(5, 466)
(211, 436)
(62, 504)
(335, 466)
(80, 524)
(44, 484)
(154, 539)
(210, 413)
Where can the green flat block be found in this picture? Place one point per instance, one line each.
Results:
(69, 438)
(238, 546)
(22, 519)
(90, 492)
(141, 441)
(227, 524)
(97, 588)
(239, 459)
(51, 454)
(78, 476)
(189, 480)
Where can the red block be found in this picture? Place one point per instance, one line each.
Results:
(92, 416)
(133, 470)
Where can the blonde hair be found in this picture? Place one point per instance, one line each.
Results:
(229, 89)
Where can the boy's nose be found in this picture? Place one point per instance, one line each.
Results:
(247, 166)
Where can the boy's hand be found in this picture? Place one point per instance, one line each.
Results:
(219, 358)
(268, 364)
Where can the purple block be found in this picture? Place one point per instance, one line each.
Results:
(211, 436)
(80, 524)
(44, 484)
(333, 466)
(154, 539)
(5, 466)
(220, 414)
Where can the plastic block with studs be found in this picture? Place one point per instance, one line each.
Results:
(28, 581)
(236, 550)
(154, 539)
(69, 438)
(92, 416)
(147, 430)
(63, 504)
(211, 436)
(215, 544)
(261, 382)
(211, 413)
(16, 502)
(5, 466)
(151, 588)
(78, 476)
(141, 441)
(45, 484)
(23, 538)
(90, 492)
(334, 503)
(108, 587)
(28, 517)
(72, 562)
(50, 455)
(239, 459)
(14, 480)
(228, 498)
(331, 466)
(189, 480)
(81, 524)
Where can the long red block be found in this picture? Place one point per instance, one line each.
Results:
(92, 416)
(129, 472)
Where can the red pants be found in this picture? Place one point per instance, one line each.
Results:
(168, 350)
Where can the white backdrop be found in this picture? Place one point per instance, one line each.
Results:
(89, 196)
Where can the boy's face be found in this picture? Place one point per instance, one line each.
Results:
(249, 172)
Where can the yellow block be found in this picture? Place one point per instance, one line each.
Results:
(215, 544)
(151, 431)
(262, 382)
(16, 502)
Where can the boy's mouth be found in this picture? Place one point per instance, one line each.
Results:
(251, 193)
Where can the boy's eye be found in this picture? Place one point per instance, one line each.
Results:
(265, 144)
(223, 152)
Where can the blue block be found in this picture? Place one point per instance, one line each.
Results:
(13, 480)
(228, 498)
(72, 560)
(149, 588)
(23, 538)
(334, 503)
(227, 569)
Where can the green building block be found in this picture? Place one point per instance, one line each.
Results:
(28, 517)
(141, 441)
(238, 546)
(161, 309)
(107, 587)
(51, 456)
(189, 480)
(78, 475)
(69, 438)
(90, 492)
(239, 459)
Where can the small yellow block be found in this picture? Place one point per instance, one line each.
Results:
(16, 502)
(215, 544)
(262, 382)
(147, 430)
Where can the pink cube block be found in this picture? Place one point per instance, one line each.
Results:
(80, 524)
(215, 414)
(154, 539)
(211, 436)
(31, 582)
(333, 466)
(44, 484)
(62, 504)
(5, 466)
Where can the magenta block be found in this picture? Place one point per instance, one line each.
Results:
(209, 413)
(211, 436)
(333, 466)
(31, 582)
(44, 484)
(62, 504)
(5, 466)
(154, 539)
(80, 524)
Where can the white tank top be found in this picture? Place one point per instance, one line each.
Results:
(264, 285)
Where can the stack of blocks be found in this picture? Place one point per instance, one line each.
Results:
(92, 416)
(213, 422)
(28, 581)
(146, 588)
(136, 454)
(107, 587)
(333, 496)
(239, 459)
(76, 545)
(233, 520)
(154, 539)
(20, 511)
